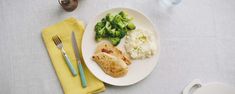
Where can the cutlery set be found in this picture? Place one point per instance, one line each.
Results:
(59, 45)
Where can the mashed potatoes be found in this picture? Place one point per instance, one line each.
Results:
(140, 44)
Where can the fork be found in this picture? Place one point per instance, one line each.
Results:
(59, 45)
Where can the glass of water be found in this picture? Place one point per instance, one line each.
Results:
(170, 3)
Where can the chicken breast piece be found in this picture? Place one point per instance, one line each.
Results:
(111, 65)
(108, 48)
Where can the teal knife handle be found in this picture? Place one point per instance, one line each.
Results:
(69, 64)
(82, 75)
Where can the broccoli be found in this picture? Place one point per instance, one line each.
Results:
(99, 26)
(111, 32)
(101, 33)
(119, 21)
(115, 41)
(117, 33)
(121, 33)
(131, 26)
(123, 14)
(108, 26)
(98, 38)
(113, 27)
(109, 17)
(103, 20)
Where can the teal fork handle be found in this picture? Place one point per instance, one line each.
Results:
(82, 75)
(73, 71)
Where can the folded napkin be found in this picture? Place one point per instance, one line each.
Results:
(70, 84)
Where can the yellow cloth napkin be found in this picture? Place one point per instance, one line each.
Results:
(70, 84)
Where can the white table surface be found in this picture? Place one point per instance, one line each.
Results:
(197, 41)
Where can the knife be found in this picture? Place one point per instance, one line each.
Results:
(76, 52)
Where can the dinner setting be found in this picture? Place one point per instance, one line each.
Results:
(117, 47)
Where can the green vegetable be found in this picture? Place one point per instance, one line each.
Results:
(123, 14)
(99, 26)
(115, 41)
(98, 38)
(113, 33)
(101, 33)
(113, 27)
(109, 17)
(131, 26)
(119, 21)
(108, 26)
(122, 33)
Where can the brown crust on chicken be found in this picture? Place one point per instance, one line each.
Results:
(111, 65)
(108, 48)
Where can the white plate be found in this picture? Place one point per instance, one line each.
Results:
(139, 69)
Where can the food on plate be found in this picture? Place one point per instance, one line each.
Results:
(112, 60)
(108, 48)
(114, 27)
(110, 64)
(140, 44)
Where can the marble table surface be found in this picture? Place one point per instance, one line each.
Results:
(197, 41)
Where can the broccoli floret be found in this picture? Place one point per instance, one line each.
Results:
(111, 32)
(114, 25)
(118, 20)
(98, 38)
(123, 33)
(125, 29)
(99, 26)
(108, 26)
(109, 17)
(123, 14)
(117, 33)
(131, 26)
(120, 33)
(103, 20)
(115, 41)
(101, 33)
(114, 33)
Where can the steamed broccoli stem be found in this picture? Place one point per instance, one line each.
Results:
(131, 26)
(115, 41)
(118, 20)
(108, 26)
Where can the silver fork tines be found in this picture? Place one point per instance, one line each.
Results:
(57, 41)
